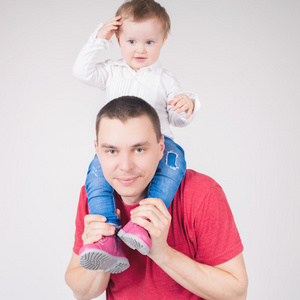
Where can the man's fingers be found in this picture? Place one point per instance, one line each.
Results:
(118, 212)
(153, 203)
(95, 228)
(154, 217)
(94, 235)
(147, 213)
(93, 218)
(152, 209)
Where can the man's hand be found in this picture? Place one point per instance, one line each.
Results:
(109, 28)
(153, 215)
(182, 103)
(89, 284)
(95, 228)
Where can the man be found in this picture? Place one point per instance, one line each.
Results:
(196, 250)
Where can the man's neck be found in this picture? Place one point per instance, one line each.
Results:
(134, 199)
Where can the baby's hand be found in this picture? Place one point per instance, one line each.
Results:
(182, 103)
(109, 28)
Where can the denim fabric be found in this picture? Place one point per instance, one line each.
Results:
(170, 171)
(100, 194)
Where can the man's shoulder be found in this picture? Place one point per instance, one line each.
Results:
(83, 192)
(198, 195)
(198, 180)
(196, 189)
(83, 201)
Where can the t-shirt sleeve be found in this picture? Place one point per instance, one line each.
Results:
(82, 211)
(218, 239)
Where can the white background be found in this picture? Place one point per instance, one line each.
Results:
(241, 57)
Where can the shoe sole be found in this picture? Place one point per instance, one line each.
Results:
(133, 242)
(100, 260)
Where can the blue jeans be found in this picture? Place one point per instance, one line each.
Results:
(169, 173)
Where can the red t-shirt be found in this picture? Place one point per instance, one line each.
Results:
(202, 228)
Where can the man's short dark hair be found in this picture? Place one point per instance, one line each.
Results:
(128, 107)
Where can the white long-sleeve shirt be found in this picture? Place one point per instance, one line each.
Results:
(153, 84)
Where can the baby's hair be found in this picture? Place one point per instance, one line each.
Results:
(142, 10)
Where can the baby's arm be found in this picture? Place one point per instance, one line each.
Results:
(109, 28)
(90, 66)
(182, 103)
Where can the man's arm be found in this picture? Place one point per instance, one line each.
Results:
(88, 284)
(85, 284)
(225, 281)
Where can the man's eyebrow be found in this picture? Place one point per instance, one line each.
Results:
(105, 145)
(141, 144)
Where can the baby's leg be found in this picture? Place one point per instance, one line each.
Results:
(106, 254)
(170, 171)
(100, 194)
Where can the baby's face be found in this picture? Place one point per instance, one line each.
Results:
(141, 42)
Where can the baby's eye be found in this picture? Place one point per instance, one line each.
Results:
(131, 42)
(149, 42)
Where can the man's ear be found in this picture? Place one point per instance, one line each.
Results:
(161, 146)
(96, 146)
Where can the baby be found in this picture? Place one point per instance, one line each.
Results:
(141, 28)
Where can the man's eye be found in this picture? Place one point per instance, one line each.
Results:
(149, 43)
(131, 42)
(112, 152)
(140, 150)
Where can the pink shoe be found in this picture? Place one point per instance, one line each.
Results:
(136, 237)
(106, 254)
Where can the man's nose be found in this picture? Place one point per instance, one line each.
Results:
(125, 162)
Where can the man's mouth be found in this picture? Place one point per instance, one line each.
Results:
(127, 180)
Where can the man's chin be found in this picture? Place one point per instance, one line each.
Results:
(130, 193)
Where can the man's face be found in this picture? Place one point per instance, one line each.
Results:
(141, 42)
(129, 154)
